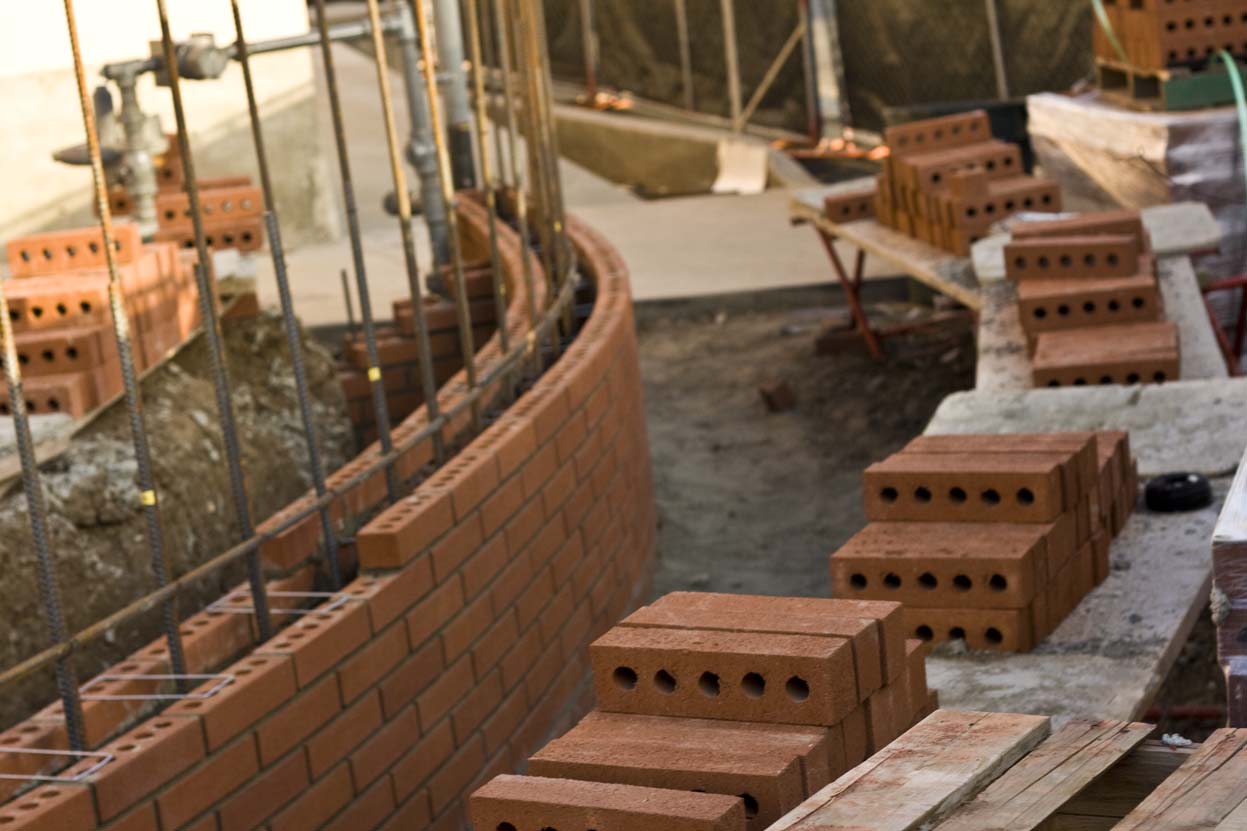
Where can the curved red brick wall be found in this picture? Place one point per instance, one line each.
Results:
(461, 647)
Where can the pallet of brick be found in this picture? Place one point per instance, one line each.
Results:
(527, 802)
(1161, 34)
(1127, 353)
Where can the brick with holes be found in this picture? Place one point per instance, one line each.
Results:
(1047, 305)
(1127, 223)
(966, 487)
(513, 802)
(999, 630)
(1045, 258)
(1127, 353)
(740, 676)
(858, 203)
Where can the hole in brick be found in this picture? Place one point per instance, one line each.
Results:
(957, 633)
(1063, 310)
(1020, 262)
(857, 581)
(708, 684)
(889, 494)
(1132, 378)
(61, 310)
(1066, 261)
(85, 306)
(922, 495)
(963, 583)
(927, 580)
(798, 688)
(892, 581)
(1159, 377)
(144, 735)
(665, 682)
(125, 748)
(753, 685)
(957, 495)
(1080, 382)
(990, 497)
(1025, 496)
(1089, 307)
(1043, 262)
(993, 635)
(1089, 260)
(505, 826)
(998, 582)
(751, 805)
(1138, 302)
(1040, 313)
(924, 632)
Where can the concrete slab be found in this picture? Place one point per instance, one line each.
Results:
(1196, 426)
(1005, 365)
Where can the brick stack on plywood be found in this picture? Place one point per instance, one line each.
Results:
(946, 181)
(989, 540)
(1089, 302)
(62, 320)
(762, 700)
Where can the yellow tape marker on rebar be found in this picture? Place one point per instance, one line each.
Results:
(532, 341)
(148, 498)
(374, 374)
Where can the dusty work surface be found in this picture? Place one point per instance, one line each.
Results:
(1003, 360)
(754, 502)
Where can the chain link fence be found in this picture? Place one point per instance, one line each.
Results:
(897, 53)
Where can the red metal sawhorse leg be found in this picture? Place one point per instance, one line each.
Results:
(852, 291)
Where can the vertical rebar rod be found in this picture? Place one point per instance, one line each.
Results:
(346, 300)
(380, 410)
(686, 54)
(518, 180)
(212, 331)
(588, 45)
(427, 382)
(310, 435)
(466, 345)
(147, 497)
(732, 59)
(32, 487)
(534, 146)
(998, 51)
(487, 171)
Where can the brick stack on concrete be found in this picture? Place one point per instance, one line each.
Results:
(1089, 302)
(946, 182)
(1164, 34)
(762, 700)
(399, 351)
(62, 321)
(989, 540)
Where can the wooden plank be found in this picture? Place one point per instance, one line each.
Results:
(1205, 792)
(1050, 776)
(1229, 565)
(943, 761)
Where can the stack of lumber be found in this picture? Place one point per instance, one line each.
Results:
(989, 540)
(946, 181)
(759, 700)
(61, 315)
(1089, 302)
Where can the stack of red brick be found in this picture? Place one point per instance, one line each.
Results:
(990, 540)
(946, 181)
(62, 321)
(1089, 301)
(759, 700)
(399, 352)
(1157, 34)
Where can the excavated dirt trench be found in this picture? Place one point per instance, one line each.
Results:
(102, 560)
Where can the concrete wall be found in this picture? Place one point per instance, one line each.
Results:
(41, 112)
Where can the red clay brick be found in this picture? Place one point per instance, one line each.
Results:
(265, 795)
(470, 477)
(414, 813)
(260, 686)
(320, 640)
(376, 755)
(332, 744)
(51, 808)
(480, 571)
(509, 584)
(412, 770)
(534, 598)
(201, 788)
(494, 644)
(325, 798)
(476, 705)
(516, 663)
(452, 550)
(540, 468)
(568, 440)
(367, 810)
(145, 759)
(448, 690)
(424, 620)
(389, 595)
(303, 716)
(503, 722)
(414, 675)
(525, 524)
(363, 669)
(405, 529)
(452, 778)
(459, 634)
(142, 818)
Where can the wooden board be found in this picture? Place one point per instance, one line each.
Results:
(946, 759)
(1207, 792)
(1037, 787)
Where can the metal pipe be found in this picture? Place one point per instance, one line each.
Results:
(422, 149)
(732, 58)
(686, 53)
(487, 173)
(423, 345)
(154, 533)
(589, 48)
(450, 58)
(445, 175)
(212, 331)
(380, 410)
(315, 466)
(998, 52)
(385, 461)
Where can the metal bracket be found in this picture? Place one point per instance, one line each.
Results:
(73, 755)
(223, 681)
(231, 605)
